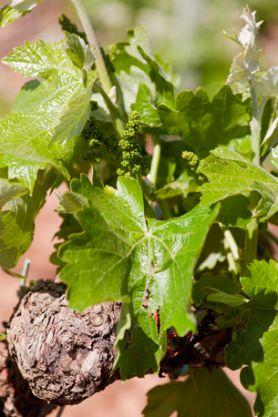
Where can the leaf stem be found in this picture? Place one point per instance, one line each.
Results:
(25, 271)
(255, 124)
(88, 28)
(252, 231)
(152, 176)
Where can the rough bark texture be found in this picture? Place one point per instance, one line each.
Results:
(65, 356)
(16, 398)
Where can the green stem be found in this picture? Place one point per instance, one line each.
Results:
(252, 232)
(255, 124)
(116, 117)
(251, 241)
(25, 271)
(254, 99)
(88, 28)
(155, 164)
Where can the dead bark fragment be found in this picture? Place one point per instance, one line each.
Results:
(65, 356)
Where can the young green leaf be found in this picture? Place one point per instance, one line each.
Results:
(183, 185)
(204, 124)
(245, 65)
(16, 9)
(230, 174)
(47, 116)
(204, 393)
(208, 283)
(140, 75)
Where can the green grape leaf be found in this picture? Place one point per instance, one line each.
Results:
(12, 237)
(229, 174)
(139, 351)
(47, 117)
(16, 9)
(266, 374)
(144, 106)
(121, 256)
(41, 59)
(163, 253)
(79, 51)
(208, 283)
(18, 215)
(204, 124)
(141, 75)
(183, 185)
(262, 287)
(131, 360)
(204, 393)
(232, 300)
(263, 279)
(10, 190)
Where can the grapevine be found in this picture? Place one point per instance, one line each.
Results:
(165, 254)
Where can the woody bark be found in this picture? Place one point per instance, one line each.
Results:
(59, 356)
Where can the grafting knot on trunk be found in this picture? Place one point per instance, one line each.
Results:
(64, 355)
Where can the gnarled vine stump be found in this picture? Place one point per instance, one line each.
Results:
(65, 356)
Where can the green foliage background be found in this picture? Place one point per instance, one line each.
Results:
(187, 33)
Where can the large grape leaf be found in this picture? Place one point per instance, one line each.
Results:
(205, 393)
(120, 255)
(16, 9)
(229, 174)
(156, 256)
(46, 116)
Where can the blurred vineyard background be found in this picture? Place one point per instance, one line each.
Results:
(186, 33)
